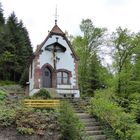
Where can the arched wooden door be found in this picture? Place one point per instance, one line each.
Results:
(47, 78)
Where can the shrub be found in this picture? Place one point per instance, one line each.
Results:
(134, 105)
(3, 83)
(103, 107)
(2, 95)
(70, 125)
(29, 121)
(24, 130)
(136, 135)
(7, 111)
(43, 93)
(7, 116)
(26, 120)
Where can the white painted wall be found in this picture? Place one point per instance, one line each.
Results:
(66, 62)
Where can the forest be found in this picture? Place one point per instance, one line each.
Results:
(15, 49)
(115, 87)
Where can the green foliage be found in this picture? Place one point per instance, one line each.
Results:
(126, 61)
(15, 49)
(136, 136)
(25, 119)
(3, 83)
(134, 105)
(122, 42)
(30, 121)
(123, 123)
(2, 95)
(2, 20)
(24, 130)
(92, 75)
(7, 116)
(43, 94)
(70, 126)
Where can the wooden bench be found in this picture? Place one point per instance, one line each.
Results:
(42, 103)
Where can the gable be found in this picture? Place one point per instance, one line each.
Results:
(56, 47)
(56, 36)
(56, 40)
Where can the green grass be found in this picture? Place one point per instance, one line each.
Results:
(3, 83)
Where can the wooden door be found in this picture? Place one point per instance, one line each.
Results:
(47, 78)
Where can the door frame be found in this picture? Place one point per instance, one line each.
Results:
(47, 80)
(53, 84)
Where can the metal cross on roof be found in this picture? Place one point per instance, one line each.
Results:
(56, 15)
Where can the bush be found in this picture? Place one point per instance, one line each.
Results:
(27, 121)
(134, 105)
(136, 135)
(3, 83)
(2, 95)
(70, 125)
(103, 107)
(24, 130)
(30, 121)
(43, 94)
(7, 116)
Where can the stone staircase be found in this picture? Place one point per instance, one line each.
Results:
(13, 91)
(93, 128)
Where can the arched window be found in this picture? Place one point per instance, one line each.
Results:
(62, 77)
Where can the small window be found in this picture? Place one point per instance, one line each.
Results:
(62, 78)
(46, 72)
(59, 78)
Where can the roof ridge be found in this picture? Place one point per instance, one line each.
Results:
(57, 30)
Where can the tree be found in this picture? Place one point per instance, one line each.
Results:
(2, 20)
(14, 44)
(20, 41)
(123, 41)
(135, 85)
(87, 47)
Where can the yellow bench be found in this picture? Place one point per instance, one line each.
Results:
(42, 103)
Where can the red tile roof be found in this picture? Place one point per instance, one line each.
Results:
(56, 30)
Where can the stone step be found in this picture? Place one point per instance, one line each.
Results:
(88, 120)
(98, 137)
(83, 115)
(91, 124)
(77, 108)
(79, 111)
(91, 132)
(92, 128)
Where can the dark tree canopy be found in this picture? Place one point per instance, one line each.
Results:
(2, 20)
(15, 49)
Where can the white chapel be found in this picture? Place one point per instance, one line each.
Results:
(54, 65)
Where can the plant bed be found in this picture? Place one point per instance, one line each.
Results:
(10, 133)
(20, 122)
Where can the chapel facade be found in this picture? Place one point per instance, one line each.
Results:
(55, 66)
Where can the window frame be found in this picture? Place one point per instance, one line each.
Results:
(62, 77)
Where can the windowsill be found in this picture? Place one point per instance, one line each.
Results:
(64, 84)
